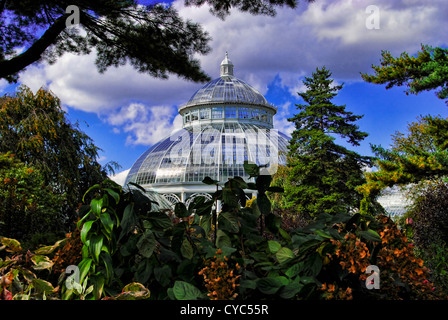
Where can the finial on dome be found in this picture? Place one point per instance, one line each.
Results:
(226, 66)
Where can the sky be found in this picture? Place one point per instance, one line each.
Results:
(125, 112)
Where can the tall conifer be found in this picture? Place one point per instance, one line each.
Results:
(322, 174)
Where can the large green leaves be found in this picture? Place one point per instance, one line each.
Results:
(185, 291)
(146, 244)
(271, 285)
(96, 243)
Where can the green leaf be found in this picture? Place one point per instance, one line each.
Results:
(263, 182)
(284, 254)
(242, 184)
(264, 204)
(160, 220)
(205, 208)
(113, 194)
(186, 249)
(96, 186)
(96, 243)
(163, 275)
(322, 234)
(85, 230)
(107, 222)
(84, 268)
(294, 270)
(137, 186)
(146, 244)
(229, 198)
(370, 235)
(180, 210)
(248, 284)
(313, 265)
(271, 285)
(291, 289)
(96, 205)
(107, 259)
(134, 291)
(185, 291)
(273, 222)
(209, 181)
(41, 262)
(251, 169)
(98, 281)
(274, 246)
(51, 248)
(12, 244)
(223, 239)
(42, 286)
(129, 219)
(228, 221)
(206, 223)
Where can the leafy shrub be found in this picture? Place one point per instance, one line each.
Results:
(130, 251)
(22, 271)
(27, 205)
(402, 274)
(430, 217)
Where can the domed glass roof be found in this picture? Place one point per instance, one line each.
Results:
(215, 150)
(227, 89)
(225, 123)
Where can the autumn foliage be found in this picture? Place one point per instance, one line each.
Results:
(220, 277)
(402, 274)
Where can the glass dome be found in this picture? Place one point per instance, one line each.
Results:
(217, 151)
(227, 89)
(225, 123)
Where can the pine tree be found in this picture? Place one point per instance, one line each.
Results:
(424, 72)
(322, 174)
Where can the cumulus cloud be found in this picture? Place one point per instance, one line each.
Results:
(289, 46)
(145, 125)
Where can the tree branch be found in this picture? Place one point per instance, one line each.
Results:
(12, 66)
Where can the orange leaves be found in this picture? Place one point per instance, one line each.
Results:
(395, 258)
(353, 254)
(219, 277)
(70, 253)
(331, 291)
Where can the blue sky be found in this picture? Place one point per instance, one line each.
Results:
(127, 111)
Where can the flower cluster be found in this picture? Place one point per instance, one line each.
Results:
(334, 292)
(220, 278)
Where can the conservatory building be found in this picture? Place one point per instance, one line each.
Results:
(225, 123)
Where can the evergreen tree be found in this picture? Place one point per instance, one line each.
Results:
(419, 156)
(322, 174)
(422, 154)
(427, 71)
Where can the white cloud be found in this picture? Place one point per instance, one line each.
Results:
(290, 45)
(120, 177)
(281, 122)
(145, 125)
(3, 85)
